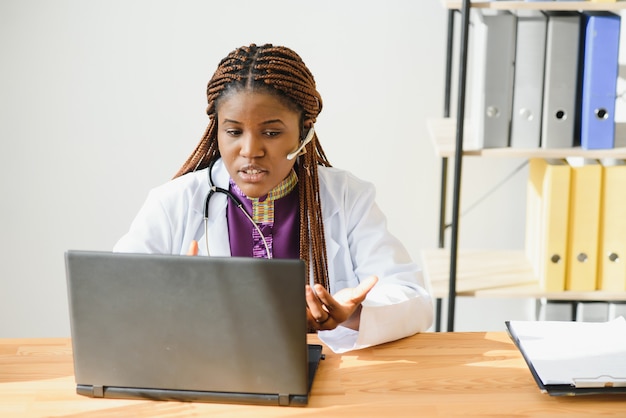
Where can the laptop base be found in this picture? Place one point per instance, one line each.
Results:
(315, 355)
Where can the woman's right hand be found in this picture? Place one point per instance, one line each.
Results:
(193, 248)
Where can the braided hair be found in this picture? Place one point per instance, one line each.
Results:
(279, 71)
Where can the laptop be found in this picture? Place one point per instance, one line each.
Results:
(204, 329)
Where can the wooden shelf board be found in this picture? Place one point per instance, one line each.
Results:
(534, 291)
(537, 5)
(497, 273)
(443, 137)
(476, 270)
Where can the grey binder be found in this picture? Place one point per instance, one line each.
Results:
(561, 80)
(494, 55)
(206, 329)
(528, 85)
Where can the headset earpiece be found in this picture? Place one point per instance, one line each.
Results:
(300, 150)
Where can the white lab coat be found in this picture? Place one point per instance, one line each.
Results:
(358, 245)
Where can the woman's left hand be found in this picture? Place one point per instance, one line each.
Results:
(325, 312)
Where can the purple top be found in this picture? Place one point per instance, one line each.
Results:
(282, 235)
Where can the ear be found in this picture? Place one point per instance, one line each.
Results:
(306, 126)
(304, 140)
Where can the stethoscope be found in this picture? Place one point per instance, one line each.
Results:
(215, 189)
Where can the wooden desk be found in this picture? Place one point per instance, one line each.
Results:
(430, 374)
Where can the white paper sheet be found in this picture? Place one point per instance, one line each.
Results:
(584, 354)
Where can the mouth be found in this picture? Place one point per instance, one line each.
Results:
(252, 173)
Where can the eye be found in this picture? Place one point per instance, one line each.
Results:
(233, 132)
(271, 134)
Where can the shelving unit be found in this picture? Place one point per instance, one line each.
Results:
(455, 273)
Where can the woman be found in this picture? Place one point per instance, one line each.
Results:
(279, 197)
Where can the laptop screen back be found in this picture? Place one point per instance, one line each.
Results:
(188, 323)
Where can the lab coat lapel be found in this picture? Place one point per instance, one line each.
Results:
(218, 241)
(330, 217)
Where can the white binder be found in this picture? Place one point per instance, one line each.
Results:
(492, 95)
(561, 80)
(528, 83)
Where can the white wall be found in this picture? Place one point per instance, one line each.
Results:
(102, 100)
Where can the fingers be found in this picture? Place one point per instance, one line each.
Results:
(354, 296)
(365, 286)
(326, 311)
(317, 308)
(317, 313)
(193, 248)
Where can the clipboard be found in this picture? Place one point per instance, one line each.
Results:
(573, 358)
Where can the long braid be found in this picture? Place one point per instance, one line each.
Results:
(313, 246)
(281, 71)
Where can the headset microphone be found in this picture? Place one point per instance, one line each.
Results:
(306, 140)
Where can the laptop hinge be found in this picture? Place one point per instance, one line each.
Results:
(98, 391)
(283, 400)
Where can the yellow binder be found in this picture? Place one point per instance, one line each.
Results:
(547, 209)
(536, 171)
(554, 225)
(584, 217)
(612, 256)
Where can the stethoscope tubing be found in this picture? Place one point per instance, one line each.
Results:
(215, 189)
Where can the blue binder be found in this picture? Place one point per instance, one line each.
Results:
(601, 31)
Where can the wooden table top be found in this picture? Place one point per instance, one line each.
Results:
(429, 374)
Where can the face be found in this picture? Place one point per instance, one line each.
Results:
(255, 133)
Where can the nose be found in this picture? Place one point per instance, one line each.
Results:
(251, 146)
